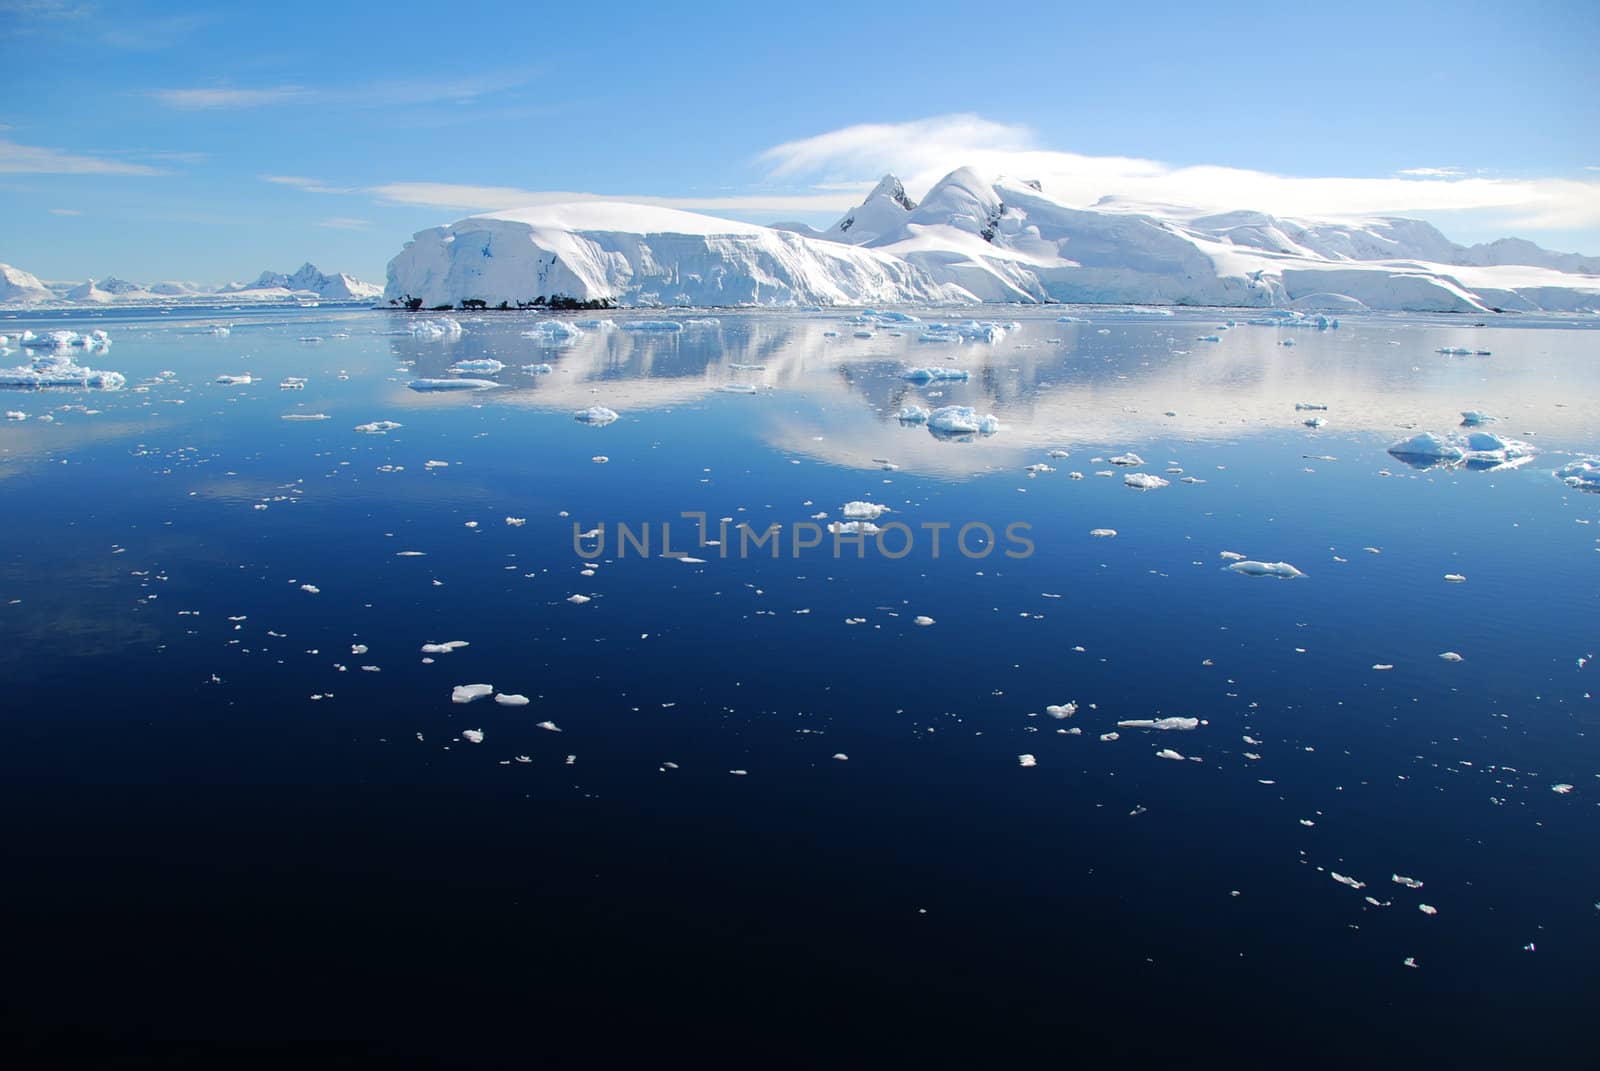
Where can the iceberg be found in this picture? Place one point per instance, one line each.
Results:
(1582, 474)
(59, 370)
(1281, 570)
(961, 420)
(1472, 418)
(436, 329)
(596, 415)
(486, 366)
(1478, 449)
(863, 511)
(1144, 481)
(451, 384)
(912, 414)
(554, 332)
(1159, 723)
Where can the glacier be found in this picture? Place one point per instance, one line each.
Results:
(976, 240)
(21, 289)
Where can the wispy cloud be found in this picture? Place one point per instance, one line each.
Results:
(470, 198)
(345, 223)
(410, 92)
(1433, 172)
(85, 20)
(225, 97)
(66, 211)
(309, 185)
(920, 152)
(18, 159)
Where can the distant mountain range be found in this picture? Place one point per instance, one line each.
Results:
(972, 240)
(18, 287)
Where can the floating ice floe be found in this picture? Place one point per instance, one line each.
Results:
(516, 522)
(378, 427)
(912, 414)
(1060, 711)
(235, 381)
(1027, 760)
(466, 693)
(511, 699)
(864, 528)
(596, 325)
(444, 648)
(1427, 909)
(1462, 351)
(16, 414)
(555, 332)
(1180, 724)
(1128, 460)
(537, 369)
(1345, 879)
(1103, 533)
(1472, 418)
(481, 366)
(1144, 481)
(452, 384)
(922, 619)
(1303, 406)
(651, 325)
(930, 375)
(863, 511)
(577, 600)
(967, 331)
(597, 414)
(60, 340)
(59, 370)
(1478, 449)
(961, 420)
(1410, 883)
(1561, 789)
(472, 736)
(1168, 753)
(436, 329)
(1282, 570)
(1582, 474)
(1450, 656)
(292, 383)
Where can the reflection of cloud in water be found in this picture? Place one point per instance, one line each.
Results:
(1051, 384)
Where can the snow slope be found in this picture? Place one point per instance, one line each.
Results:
(644, 255)
(1010, 241)
(18, 287)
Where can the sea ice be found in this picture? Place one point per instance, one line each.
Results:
(912, 414)
(1282, 570)
(511, 699)
(1062, 710)
(59, 370)
(378, 427)
(1103, 533)
(1168, 753)
(1581, 474)
(452, 384)
(556, 332)
(596, 415)
(864, 511)
(922, 620)
(651, 325)
(1130, 460)
(1143, 481)
(961, 420)
(472, 736)
(1159, 723)
(466, 693)
(1027, 760)
(482, 366)
(436, 329)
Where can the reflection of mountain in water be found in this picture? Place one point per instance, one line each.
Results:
(1125, 381)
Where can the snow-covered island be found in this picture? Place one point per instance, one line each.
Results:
(21, 288)
(970, 241)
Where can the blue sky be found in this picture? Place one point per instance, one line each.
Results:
(157, 141)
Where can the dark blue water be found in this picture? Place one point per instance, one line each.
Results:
(225, 835)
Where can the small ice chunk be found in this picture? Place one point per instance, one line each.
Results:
(651, 325)
(962, 420)
(1581, 474)
(378, 427)
(466, 693)
(511, 699)
(1159, 723)
(1561, 789)
(922, 620)
(1168, 753)
(548, 726)
(1455, 578)
(1345, 879)
(1129, 460)
(1427, 909)
(424, 385)
(577, 600)
(1401, 879)
(934, 374)
(912, 414)
(1103, 533)
(863, 511)
(1062, 710)
(1027, 760)
(481, 366)
(1282, 570)
(1450, 656)
(235, 381)
(443, 648)
(472, 736)
(1144, 481)
(597, 415)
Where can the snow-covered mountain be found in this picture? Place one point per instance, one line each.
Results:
(971, 239)
(643, 255)
(17, 287)
(337, 287)
(1008, 240)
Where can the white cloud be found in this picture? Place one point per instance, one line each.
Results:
(345, 223)
(18, 159)
(924, 150)
(1432, 172)
(309, 185)
(224, 97)
(66, 211)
